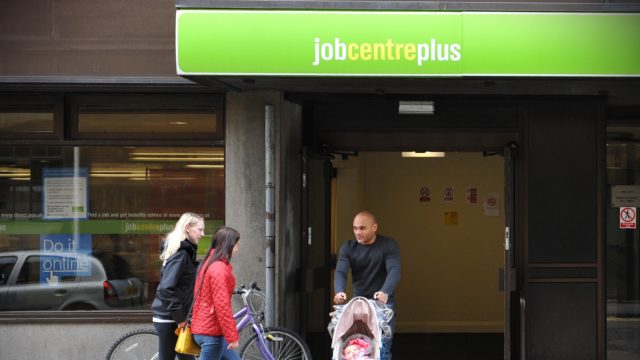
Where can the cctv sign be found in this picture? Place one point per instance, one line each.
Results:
(628, 218)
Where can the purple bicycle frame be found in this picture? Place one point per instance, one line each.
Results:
(247, 318)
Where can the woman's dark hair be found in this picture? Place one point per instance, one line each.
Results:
(223, 242)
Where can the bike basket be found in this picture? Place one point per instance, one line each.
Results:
(256, 301)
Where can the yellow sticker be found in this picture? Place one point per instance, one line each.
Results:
(451, 218)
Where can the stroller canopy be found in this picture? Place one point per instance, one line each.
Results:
(358, 317)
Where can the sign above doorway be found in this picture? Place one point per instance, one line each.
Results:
(406, 44)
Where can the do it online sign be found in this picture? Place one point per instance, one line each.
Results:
(64, 255)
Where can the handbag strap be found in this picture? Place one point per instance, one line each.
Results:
(195, 296)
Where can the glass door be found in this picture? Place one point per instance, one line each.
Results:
(622, 249)
(509, 231)
(315, 250)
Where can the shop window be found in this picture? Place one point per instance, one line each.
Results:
(622, 249)
(140, 116)
(88, 221)
(30, 117)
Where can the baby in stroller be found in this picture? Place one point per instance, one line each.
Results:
(357, 329)
(356, 349)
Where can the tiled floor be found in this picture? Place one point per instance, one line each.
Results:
(623, 338)
(428, 346)
(447, 346)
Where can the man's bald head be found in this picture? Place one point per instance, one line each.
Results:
(365, 227)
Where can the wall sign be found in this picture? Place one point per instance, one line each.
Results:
(448, 193)
(628, 218)
(472, 195)
(625, 195)
(406, 43)
(491, 205)
(425, 194)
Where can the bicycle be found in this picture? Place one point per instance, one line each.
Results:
(266, 343)
(139, 344)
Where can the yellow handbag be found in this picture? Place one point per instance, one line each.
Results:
(186, 344)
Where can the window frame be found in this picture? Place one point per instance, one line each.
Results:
(137, 102)
(35, 103)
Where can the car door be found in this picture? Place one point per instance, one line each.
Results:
(7, 266)
(34, 291)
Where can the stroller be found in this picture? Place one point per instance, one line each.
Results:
(359, 327)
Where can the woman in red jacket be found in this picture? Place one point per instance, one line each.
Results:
(212, 322)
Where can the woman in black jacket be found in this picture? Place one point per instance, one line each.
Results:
(174, 294)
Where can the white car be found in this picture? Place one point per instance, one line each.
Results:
(110, 285)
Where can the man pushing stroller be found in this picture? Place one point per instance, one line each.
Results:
(374, 261)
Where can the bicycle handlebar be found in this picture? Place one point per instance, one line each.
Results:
(243, 289)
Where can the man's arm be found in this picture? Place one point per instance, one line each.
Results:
(340, 275)
(392, 263)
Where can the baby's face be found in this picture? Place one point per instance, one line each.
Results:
(350, 352)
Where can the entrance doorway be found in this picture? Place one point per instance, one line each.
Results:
(448, 215)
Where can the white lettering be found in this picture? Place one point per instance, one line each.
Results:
(316, 57)
(52, 247)
(455, 52)
(340, 50)
(423, 53)
(326, 52)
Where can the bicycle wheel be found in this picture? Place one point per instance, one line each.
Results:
(283, 344)
(139, 344)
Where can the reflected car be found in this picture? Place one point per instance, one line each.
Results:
(109, 285)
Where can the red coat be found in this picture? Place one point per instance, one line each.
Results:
(212, 312)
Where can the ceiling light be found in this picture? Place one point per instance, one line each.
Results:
(416, 107)
(176, 153)
(424, 154)
(185, 159)
(203, 166)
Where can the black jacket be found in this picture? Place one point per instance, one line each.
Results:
(174, 294)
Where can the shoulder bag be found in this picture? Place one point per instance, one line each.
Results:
(186, 344)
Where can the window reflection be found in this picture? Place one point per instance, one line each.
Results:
(622, 245)
(107, 260)
(26, 122)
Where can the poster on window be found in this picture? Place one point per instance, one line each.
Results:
(64, 193)
(64, 255)
(625, 196)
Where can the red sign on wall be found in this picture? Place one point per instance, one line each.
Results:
(628, 218)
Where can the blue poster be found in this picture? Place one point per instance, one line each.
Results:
(64, 255)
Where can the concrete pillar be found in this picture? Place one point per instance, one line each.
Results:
(245, 192)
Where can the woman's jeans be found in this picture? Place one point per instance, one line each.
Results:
(167, 342)
(214, 348)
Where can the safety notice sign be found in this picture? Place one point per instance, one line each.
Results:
(628, 218)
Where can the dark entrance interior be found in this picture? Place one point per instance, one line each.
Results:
(339, 134)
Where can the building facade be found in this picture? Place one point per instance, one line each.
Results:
(517, 241)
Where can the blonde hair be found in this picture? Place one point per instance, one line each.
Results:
(179, 233)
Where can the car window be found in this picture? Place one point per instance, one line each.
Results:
(115, 266)
(30, 272)
(6, 265)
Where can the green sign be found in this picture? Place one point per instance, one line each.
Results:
(122, 227)
(406, 44)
